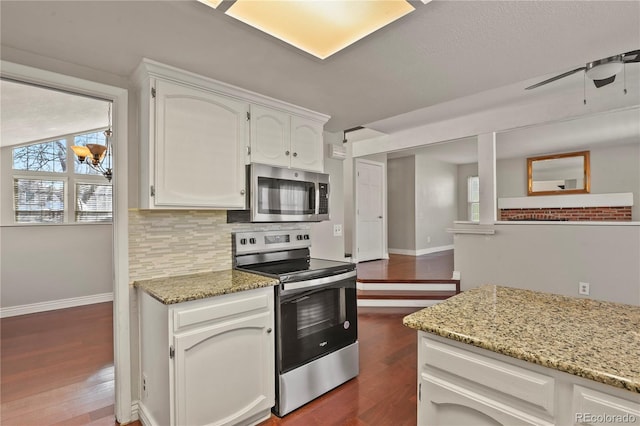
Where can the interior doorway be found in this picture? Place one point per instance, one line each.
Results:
(370, 208)
(119, 265)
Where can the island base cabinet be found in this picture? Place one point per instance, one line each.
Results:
(207, 362)
(460, 384)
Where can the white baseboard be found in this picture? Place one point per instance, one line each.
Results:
(135, 413)
(406, 286)
(52, 305)
(421, 251)
(145, 418)
(396, 303)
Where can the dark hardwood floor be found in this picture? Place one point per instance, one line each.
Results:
(401, 268)
(57, 369)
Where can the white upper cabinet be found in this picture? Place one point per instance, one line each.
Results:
(270, 136)
(196, 134)
(306, 144)
(286, 140)
(200, 144)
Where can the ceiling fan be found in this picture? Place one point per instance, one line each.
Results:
(602, 71)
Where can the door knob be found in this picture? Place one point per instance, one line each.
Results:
(269, 330)
(242, 192)
(286, 153)
(379, 217)
(295, 154)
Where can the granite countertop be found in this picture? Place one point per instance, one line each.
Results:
(183, 288)
(588, 338)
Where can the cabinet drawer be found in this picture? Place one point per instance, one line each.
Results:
(593, 407)
(528, 386)
(218, 310)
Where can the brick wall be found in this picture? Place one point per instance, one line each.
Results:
(608, 214)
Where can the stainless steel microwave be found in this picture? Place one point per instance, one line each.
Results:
(278, 194)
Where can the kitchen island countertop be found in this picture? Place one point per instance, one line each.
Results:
(584, 337)
(176, 289)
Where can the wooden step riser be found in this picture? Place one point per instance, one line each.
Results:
(407, 286)
(390, 303)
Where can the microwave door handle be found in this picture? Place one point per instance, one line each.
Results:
(317, 206)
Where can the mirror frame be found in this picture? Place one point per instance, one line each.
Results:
(587, 174)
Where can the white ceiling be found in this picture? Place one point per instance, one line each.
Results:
(442, 51)
(29, 113)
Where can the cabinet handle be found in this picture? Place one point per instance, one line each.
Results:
(295, 154)
(269, 330)
(286, 153)
(242, 192)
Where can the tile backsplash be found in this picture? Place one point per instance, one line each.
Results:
(179, 242)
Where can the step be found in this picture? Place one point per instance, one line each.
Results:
(409, 285)
(404, 294)
(414, 293)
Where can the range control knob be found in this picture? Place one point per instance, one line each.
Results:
(299, 237)
(306, 236)
(243, 241)
(252, 240)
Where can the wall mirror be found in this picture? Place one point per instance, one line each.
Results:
(567, 173)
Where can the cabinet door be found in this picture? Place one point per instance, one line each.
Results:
(224, 373)
(270, 136)
(306, 144)
(442, 402)
(200, 140)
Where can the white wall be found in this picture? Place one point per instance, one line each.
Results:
(422, 203)
(325, 244)
(401, 204)
(44, 263)
(436, 202)
(554, 258)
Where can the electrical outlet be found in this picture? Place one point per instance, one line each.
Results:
(429, 239)
(145, 386)
(337, 230)
(583, 288)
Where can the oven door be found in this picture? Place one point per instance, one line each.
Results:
(315, 320)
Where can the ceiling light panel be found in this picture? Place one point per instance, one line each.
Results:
(212, 3)
(319, 27)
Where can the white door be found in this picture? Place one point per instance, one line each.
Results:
(224, 374)
(369, 210)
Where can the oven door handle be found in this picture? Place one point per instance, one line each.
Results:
(318, 282)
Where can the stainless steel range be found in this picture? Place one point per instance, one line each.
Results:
(316, 313)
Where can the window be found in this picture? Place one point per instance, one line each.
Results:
(93, 202)
(39, 200)
(42, 157)
(46, 190)
(473, 198)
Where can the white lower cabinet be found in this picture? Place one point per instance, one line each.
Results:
(207, 362)
(461, 385)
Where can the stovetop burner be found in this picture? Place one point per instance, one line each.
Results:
(282, 254)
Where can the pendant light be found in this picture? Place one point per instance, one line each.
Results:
(98, 156)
